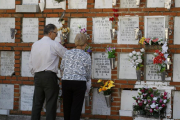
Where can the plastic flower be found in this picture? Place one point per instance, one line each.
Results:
(99, 81)
(152, 95)
(142, 40)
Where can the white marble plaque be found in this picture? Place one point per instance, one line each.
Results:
(30, 2)
(126, 97)
(7, 63)
(176, 68)
(177, 30)
(101, 66)
(77, 4)
(74, 25)
(57, 24)
(176, 105)
(155, 26)
(7, 4)
(5, 33)
(26, 97)
(99, 104)
(25, 70)
(54, 4)
(103, 3)
(128, 4)
(126, 71)
(101, 30)
(151, 69)
(6, 96)
(155, 3)
(30, 29)
(177, 3)
(126, 33)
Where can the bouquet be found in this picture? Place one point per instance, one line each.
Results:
(65, 32)
(159, 60)
(84, 31)
(150, 102)
(113, 19)
(106, 87)
(151, 41)
(111, 52)
(88, 49)
(136, 58)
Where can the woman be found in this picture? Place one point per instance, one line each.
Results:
(76, 68)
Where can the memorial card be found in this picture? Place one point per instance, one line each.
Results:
(152, 69)
(126, 70)
(103, 3)
(101, 30)
(101, 66)
(155, 3)
(30, 29)
(55, 4)
(126, 33)
(176, 105)
(6, 96)
(128, 4)
(77, 4)
(25, 69)
(5, 33)
(155, 26)
(176, 68)
(99, 106)
(7, 63)
(74, 27)
(30, 2)
(177, 30)
(7, 4)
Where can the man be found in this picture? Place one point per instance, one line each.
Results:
(44, 59)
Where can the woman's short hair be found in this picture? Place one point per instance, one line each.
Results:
(80, 39)
(48, 28)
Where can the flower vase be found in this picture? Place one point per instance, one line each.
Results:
(112, 63)
(113, 33)
(163, 74)
(138, 73)
(108, 100)
(87, 100)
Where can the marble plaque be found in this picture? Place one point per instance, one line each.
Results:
(126, 97)
(126, 33)
(5, 33)
(177, 30)
(57, 24)
(26, 97)
(30, 2)
(7, 4)
(25, 70)
(6, 96)
(74, 25)
(101, 66)
(30, 29)
(177, 3)
(176, 105)
(126, 71)
(128, 4)
(155, 3)
(99, 106)
(77, 4)
(176, 68)
(101, 30)
(7, 63)
(103, 4)
(151, 69)
(55, 4)
(155, 26)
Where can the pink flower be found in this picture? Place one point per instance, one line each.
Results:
(149, 101)
(140, 104)
(151, 110)
(163, 105)
(142, 91)
(152, 95)
(155, 40)
(154, 101)
(165, 93)
(160, 100)
(147, 40)
(157, 107)
(164, 97)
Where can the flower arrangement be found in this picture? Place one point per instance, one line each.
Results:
(150, 102)
(159, 59)
(65, 32)
(136, 58)
(84, 31)
(151, 41)
(111, 52)
(113, 19)
(88, 49)
(106, 87)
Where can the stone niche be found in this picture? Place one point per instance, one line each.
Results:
(128, 4)
(28, 6)
(77, 4)
(7, 4)
(155, 3)
(176, 68)
(103, 4)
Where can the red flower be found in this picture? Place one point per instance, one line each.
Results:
(164, 97)
(115, 10)
(165, 93)
(111, 19)
(163, 105)
(157, 51)
(116, 15)
(152, 95)
(155, 40)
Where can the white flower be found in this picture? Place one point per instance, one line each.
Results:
(130, 54)
(155, 54)
(164, 101)
(138, 53)
(142, 50)
(134, 58)
(154, 98)
(157, 105)
(139, 57)
(145, 101)
(153, 105)
(133, 52)
(139, 61)
(160, 108)
(139, 101)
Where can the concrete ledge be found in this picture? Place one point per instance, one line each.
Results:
(125, 113)
(27, 8)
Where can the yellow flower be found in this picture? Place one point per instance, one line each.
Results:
(100, 89)
(106, 83)
(68, 29)
(99, 81)
(110, 85)
(59, 29)
(110, 81)
(104, 88)
(142, 40)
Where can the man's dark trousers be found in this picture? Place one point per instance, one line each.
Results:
(46, 87)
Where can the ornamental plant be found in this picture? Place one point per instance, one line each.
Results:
(136, 58)
(106, 86)
(88, 49)
(111, 52)
(113, 19)
(150, 102)
(159, 59)
(151, 41)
